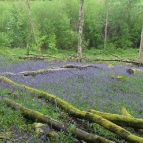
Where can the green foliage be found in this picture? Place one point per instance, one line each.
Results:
(4, 40)
(56, 24)
(17, 30)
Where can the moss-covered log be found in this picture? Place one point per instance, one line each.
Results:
(114, 128)
(120, 119)
(126, 113)
(5, 136)
(45, 129)
(118, 60)
(80, 114)
(80, 134)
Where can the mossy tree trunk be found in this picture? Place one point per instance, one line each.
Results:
(120, 119)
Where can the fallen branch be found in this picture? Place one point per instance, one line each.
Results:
(79, 67)
(119, 60)
(31, 57)
(75, 58)
(66, 67)
(126, 113)
(80, 134)
(27, 73)
(42, 55)
(5, 136)
(120, 119)
(78, 113)
(8, 73)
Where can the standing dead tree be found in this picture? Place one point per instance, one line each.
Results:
(81, 21)
(31, 24)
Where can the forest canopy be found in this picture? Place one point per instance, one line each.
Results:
(56, 24)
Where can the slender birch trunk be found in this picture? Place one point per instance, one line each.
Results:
(32, 25)
(106, 24)
(140, 56)
(81, 21)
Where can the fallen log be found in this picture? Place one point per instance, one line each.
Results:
(126, 113)
(114, 128)
(41, 71)
(119, 60)
(79, 67)
(37, 57)
(78, 113)
(79, 134)
(75, 58)
(27, 73)
(8, 73)
(42, 55)
(133, 71)
(5, 136)
(46, 130)
(120, 119)
(33, 57)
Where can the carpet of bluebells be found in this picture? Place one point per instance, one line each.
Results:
(87, 88)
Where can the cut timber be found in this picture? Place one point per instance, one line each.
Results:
(78, 113)
(120, 119)
(80, 134)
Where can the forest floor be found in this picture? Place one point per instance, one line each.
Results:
(106, 87)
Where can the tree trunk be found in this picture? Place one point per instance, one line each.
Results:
(140, 56)
(81, 21)
(106, 23)
(41, 71)
(78, 133)
(32, 25)
(120, 119)
(126, 113)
